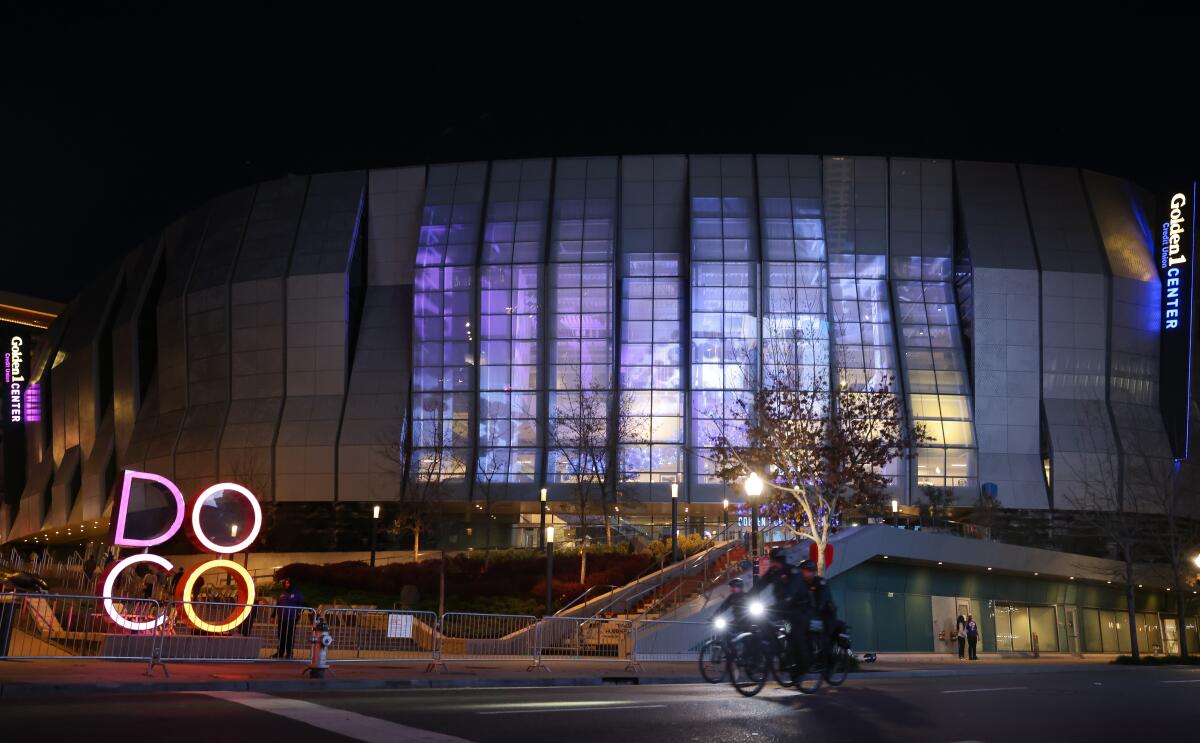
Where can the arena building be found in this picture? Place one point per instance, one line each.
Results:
(326, 339)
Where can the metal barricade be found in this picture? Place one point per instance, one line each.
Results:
(584, 638)
(381, 634)
(467, 636)
(36, 625)
(663, 640)
(209, 631)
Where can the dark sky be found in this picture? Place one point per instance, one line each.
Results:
(117, 123)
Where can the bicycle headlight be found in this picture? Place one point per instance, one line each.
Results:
(720, 623)
(756, 608)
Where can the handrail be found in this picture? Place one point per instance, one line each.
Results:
(576, 600)
(699, 558)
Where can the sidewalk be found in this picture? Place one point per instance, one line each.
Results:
(41, 678)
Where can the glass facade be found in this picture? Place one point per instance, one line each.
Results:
(514, 243)
(935, 370)
(663, 290)
(444, 296)
(582, 293)
(652, 266)
(724, 298)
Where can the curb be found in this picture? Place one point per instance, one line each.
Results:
(18, 690)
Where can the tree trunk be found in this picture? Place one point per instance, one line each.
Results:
(1181, 604)
(442, 581)
(607, 529)
(1132, 608)
(416, 542)
(487, 537)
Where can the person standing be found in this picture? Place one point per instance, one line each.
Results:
(972, 636)
(960, 633)
(287, 613)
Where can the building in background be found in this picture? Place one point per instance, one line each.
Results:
(302, 336)
(23, 320)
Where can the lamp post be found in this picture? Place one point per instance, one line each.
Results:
(542, 524)
(753, 487)
(895, 512)
(674, 521)
(725, 510)
(374, 528)
(548, 537)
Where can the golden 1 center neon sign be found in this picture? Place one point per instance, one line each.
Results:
(195, 532)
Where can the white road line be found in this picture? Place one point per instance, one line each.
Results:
(969, 691)
(342, 722)
(542, 711)
(1182, 681)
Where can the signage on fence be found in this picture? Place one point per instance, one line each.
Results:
(400, 626)
(200, 526)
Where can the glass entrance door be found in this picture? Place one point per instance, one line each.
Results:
(1171, 635)
(1072, 631)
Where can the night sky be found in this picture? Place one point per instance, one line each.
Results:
(118, 123)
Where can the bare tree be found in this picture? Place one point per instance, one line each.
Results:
(581, 441)
(1115, 514)
(430, 456)
(488, 471)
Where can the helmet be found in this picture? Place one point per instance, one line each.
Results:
(779, 553)
(737, 583)
(808, 565)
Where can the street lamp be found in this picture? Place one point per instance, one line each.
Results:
(753, 487)
(374, 528)
(895, 512)
(725, 510)
(674, 521)
(542, 525)
(548, 536)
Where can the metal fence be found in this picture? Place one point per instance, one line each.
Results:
(662, 640)
(466, 636)
(584, 638)
(34, 625)
(380, 634)
(193, 631)
(50, 626)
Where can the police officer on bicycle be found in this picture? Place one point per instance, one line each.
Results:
(737, 605)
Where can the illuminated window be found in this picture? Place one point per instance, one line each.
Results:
(513, 250)
(581, 312)
(444, 302)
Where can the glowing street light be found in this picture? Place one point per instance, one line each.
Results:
(753, 487)
(674, 521)
(374, 528)
(542, 523)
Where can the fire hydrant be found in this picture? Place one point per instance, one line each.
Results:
(321, 640)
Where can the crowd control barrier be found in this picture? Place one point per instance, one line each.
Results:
(467, 636)
(379, 634)
(39, 626)
(583, 638)
(664, 640)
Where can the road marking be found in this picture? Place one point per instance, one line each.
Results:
(542, 711)
(996, 688)
(342, 722)
(1182, 681)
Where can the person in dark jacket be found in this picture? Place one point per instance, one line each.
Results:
(735, 604)
(960, 633)
(287, 612)
(972, 636)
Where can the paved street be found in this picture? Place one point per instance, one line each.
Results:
(1094, 704)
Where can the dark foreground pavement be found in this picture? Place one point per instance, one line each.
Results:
(1089, 704)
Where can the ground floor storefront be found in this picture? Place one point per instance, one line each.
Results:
(897, 607)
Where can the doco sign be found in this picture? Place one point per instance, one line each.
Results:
(195, 532)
